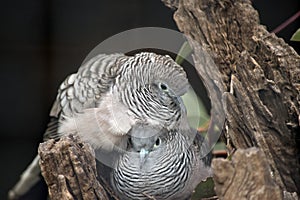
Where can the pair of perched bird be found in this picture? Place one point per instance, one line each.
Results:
(132, 105)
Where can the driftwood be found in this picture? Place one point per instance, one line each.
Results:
(258, 77)
(69, 169)
(255, 84)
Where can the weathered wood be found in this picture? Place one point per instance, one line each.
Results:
(69, 169)
(256, 74)
(253, 78)
(234, 178)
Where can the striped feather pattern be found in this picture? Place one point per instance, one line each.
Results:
(170, 171)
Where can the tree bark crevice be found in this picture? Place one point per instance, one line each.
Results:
(234, 178)
(257, 75)
(69, 169)
(253, 80)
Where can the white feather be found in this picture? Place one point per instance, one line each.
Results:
(103, 126)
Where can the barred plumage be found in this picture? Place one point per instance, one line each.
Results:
(171, 170)
(129, 92)
(111, 93)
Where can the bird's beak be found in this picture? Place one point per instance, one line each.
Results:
(143, 156)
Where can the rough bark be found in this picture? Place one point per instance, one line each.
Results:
(254, 81)
(234, 178)
(69, 169)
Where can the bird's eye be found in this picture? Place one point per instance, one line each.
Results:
(163, 87)
(157, 143)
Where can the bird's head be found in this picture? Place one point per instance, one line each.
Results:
(153, 89)
(144, 139)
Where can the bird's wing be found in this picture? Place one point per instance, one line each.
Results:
(82, 90)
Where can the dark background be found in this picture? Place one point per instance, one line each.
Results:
(42, 41)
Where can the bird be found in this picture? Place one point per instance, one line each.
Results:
(161, 164)
(108, 95)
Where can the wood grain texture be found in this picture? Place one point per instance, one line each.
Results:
(255, 80)
(69, 169)
(234, 178)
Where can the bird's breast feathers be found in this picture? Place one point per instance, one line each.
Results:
(101, 126)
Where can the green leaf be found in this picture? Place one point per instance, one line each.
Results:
(220, 146)
(204, 189)
(296, 36)
(196, 111)
(183, 53)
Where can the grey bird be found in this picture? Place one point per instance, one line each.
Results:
(107, 96)
(161, 164)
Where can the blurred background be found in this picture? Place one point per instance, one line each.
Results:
(42, 41)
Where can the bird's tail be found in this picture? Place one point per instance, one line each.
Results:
(27, 180)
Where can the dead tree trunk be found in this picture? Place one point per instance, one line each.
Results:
(257, 76)
(69, 169)
(255, 83)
